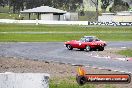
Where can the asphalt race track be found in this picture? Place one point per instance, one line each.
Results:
(55, 51)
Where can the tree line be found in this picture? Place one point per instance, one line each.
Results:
(118, 5)
(69, 5)
(18, 5)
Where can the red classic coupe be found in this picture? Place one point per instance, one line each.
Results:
(87, 42)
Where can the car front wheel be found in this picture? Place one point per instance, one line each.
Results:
(88, 48)
(69, 47)
(101, 48)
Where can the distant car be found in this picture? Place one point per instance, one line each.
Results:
(87, 42)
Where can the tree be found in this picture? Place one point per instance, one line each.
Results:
(1, 3)
(96, 5)
(119, 5)
(105, 4)
(18, 5)
(36, 3)
(69, 5)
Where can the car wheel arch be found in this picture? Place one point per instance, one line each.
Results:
(87, 50)
(70, 48)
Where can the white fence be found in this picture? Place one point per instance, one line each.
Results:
(44, 22)
(66, 22)
(111, 23)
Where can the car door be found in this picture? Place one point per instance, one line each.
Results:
(85, 43)
(82, 44)
(75, 44)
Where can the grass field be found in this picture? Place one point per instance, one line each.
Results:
(104, 33)
(8, 16)
(127, 52)
(16, 16)
(70, 82)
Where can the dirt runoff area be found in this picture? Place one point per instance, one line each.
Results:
(56, 70)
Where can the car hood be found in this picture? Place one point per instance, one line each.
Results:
(100, 42)
(71, 41)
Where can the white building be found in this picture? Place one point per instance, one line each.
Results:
(46, 13)
(51, 14)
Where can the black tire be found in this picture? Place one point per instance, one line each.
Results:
(81, 80)
(69, 47)
(88, 48)
(101, 48)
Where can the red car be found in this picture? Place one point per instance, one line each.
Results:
(87, 42)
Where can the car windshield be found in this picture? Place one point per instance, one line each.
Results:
(82, 40)
(89, 39)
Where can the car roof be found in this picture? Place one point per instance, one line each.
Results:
(89, 36)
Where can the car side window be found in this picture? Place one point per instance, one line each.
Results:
(90, 40)
(86, 40)
(82, 40)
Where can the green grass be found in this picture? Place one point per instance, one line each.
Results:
(4, 9)
(67, 82)
(16, 16)
(127, 52)
(70, 82)
(109, 86)
(59, 37)
(8, 16)
(87, 18)
(97, 29)
(69, 85)
(104, 33)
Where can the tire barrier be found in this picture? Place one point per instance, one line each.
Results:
(83, 78)
(104, 78)
(111, 23)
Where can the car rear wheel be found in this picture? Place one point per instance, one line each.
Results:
(69, 47)
(88, 48)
